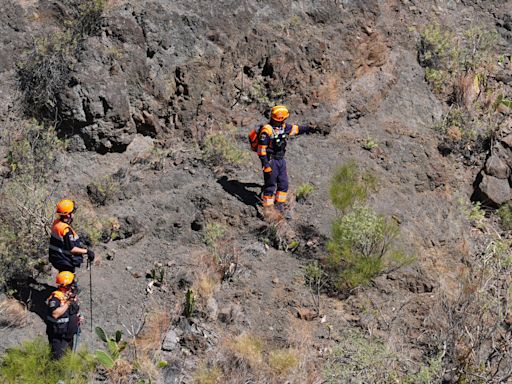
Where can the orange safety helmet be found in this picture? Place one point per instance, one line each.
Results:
(279, 113)
(64, 278)
(66, 207)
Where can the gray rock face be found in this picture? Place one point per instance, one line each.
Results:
(496, 191)
(171, 341)
(497, 167)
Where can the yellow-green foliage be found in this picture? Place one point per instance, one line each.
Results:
(446, 55)
(505, 214)
(207, 375)
(282, 361)
(358, 359)
(32, 363)
(349, 185)
(219, 148)
(362, 246)
(248, 348)
(27, 207)
(304, 190)
(213, 233)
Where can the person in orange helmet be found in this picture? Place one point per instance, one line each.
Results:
(63, 320)
(66, 251)
(271, 150)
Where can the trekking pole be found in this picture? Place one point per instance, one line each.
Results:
(89, 266)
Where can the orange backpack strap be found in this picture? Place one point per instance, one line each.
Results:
(267, 128)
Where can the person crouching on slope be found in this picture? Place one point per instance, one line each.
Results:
(66, 251)
(271, 150)
(63, 320)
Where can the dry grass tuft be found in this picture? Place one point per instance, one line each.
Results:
(205, 284)
(121, 372)
(148, 342)
(283, 361)
(248, 348)
(13, 314)
(207, 375)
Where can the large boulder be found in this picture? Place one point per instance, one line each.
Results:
(494, 191)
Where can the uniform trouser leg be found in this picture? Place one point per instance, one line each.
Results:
(269, 187)
(282, 184)
(59, 346)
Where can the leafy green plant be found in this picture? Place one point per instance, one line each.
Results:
(158, 274)
(315, 279)
(27, 208)
(213, 233)
(362, 246)
(505, 214)
(115, 345)
(349, 185)
(360, 359)
(219, 148)
(32, 363)
(474, 213)
(304, 191)
(190, 304)
(104, 190)
(369, 144)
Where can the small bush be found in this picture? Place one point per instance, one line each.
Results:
(369, 144)
(46, 68)
(26, 211)
(505, 214)
(282, 361)
(32, 363)
(357, 359)
(304, 191)
(362, 247)
(207, 375)
(248, 348)
(219, 148)
(213, 233)
(349, 186)
(103, 191)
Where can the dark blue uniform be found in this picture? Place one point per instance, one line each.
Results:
(271, 151)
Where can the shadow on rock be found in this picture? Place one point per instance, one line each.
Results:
(241, 190)
(34, 295)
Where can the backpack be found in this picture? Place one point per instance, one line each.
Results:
(253, 137)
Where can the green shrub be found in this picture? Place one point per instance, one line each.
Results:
(32, 363)
(304, 190)
(369, 144)
(219, 148)
(349, 186)
(46, 67)
(505, 214)
(362, 246)
(213, 233)
(115, 345)
(27, 208)
(357, 359)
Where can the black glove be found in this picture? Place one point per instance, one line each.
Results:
(90, 255)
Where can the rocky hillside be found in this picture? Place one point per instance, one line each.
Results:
(152, 102)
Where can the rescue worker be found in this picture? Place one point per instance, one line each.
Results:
(66, 251)
(63, 320)
(271, 150)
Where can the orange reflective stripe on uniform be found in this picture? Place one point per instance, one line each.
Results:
(268, 201)
(267, 128)
(281, 196)
(61, 296)
(59, 230)
(295, 130)
(262, 150)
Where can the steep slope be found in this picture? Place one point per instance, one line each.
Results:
(160, 75)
